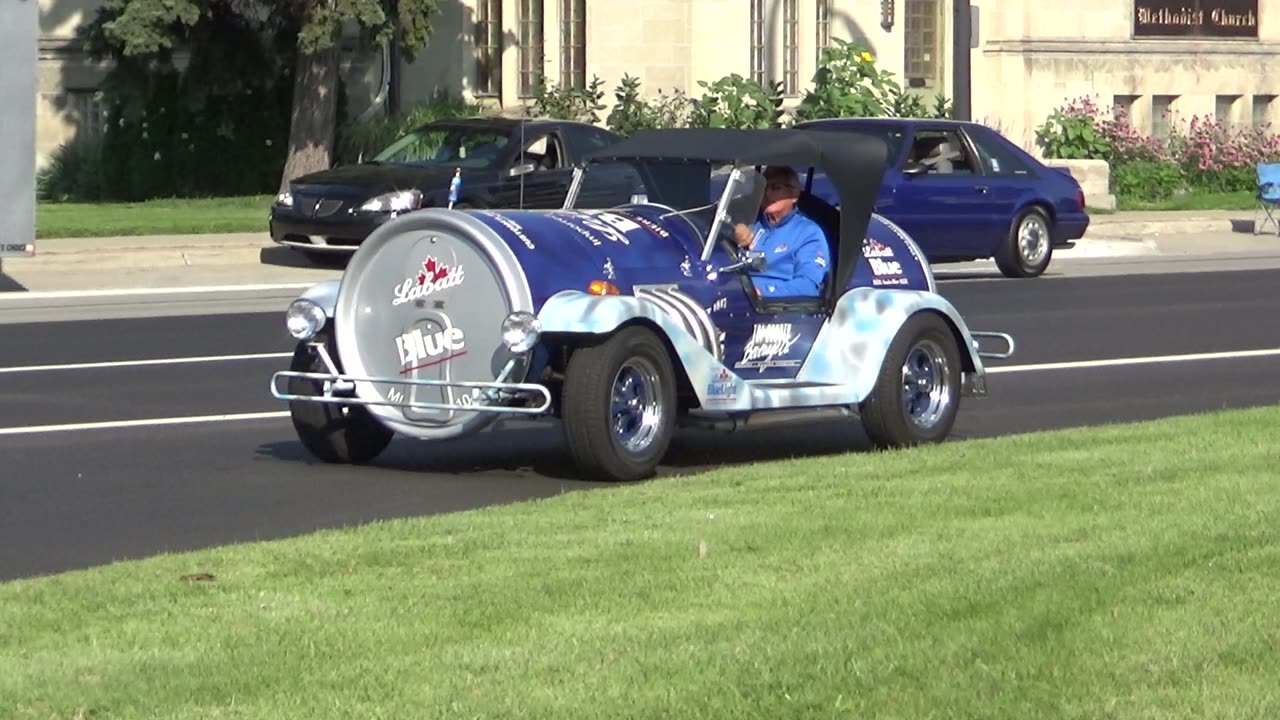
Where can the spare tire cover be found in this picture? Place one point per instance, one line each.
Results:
(423, 298)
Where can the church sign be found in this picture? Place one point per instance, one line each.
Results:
(1195, 18)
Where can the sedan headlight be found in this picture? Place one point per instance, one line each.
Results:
(398, 201)
(304, 319)
(520, 331)
(285, 199)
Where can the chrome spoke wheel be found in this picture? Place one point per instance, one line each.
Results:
(636, 407)
(1033, 239)
(925, 395)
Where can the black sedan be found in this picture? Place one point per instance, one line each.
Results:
(501, 163)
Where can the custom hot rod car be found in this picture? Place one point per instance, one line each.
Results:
(634, 316)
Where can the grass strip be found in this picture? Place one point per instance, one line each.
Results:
(1127, 571)
(170, 216)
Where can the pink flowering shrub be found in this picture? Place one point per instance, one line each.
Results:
(1206, 155)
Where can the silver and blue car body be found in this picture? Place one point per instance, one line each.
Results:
(445, 320)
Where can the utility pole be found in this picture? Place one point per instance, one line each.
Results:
(961, 73)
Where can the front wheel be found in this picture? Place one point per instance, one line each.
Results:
(917, 394)
(333, 433)
(1027, 250)
(619, 405)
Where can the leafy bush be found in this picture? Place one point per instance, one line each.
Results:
(1221, 159)
(736, 102)
(1072, 133)
(74, 172)
(632, 112)
(357, 140)
(1147, 180)
(848, 84)
(569, 103)
(1205, 156)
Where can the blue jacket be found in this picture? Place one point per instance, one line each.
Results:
(796, 250)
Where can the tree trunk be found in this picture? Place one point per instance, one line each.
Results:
(314, 114)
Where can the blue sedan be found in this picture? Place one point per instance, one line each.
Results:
(965, 192)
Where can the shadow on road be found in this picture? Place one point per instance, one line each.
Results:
(281, 256)
(8, 284)
(541, 451)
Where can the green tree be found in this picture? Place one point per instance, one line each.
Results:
(299, 37)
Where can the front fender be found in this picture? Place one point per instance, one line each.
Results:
(325, 295)
(851, 348)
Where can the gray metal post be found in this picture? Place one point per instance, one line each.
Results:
(961, 74)
(19, 26)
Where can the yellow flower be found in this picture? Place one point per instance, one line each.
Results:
(867, 57)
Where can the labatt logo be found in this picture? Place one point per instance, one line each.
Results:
(876, 249)
(434, 277)
(885, 268)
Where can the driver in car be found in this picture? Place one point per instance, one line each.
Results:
(794, 246)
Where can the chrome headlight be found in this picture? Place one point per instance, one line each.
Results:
(520, 331)
(398, 201)
(304, 319)
(284, 199)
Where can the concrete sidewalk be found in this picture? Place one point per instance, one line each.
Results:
(159, 261)
(1143, 223)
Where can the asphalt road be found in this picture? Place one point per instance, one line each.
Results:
(73, 496)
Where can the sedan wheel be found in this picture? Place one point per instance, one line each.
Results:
(1029, 247)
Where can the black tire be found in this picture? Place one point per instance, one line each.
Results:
(635, 361)
(333, 433)
(895, 416)
(1028, 248)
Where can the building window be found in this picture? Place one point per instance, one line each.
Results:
(489, 47)
(823, 39)
(532, 54)
(1162, 115)
(922, 43)
(1122, 108)
(86, 111)
(573, 43)
(1224, 109)
(1262, 109)
(757, 41)
(790, 47)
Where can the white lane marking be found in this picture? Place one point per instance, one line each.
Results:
(149, 422)
(1151, 360)
(125, 292)
(137, 363)
(152, 422)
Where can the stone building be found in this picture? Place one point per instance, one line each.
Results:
(1192, 57)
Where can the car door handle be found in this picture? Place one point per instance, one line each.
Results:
(981, 188)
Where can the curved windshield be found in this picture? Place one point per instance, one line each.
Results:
(692, 189)
(465, 147)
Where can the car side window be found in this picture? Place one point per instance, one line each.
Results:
(996, 157)
(941, 152)
(544, 153)
(588, 139)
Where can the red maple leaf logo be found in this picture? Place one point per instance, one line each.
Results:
(433, 271)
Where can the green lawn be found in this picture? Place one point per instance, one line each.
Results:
(154, 217)
(1243, 200)
(1119, 572)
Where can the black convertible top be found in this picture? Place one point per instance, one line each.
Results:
(855, 164)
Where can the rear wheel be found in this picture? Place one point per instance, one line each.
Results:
(1029, 247)
(333, 433)
(619, 405)
(917, 394)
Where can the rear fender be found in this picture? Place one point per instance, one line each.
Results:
(851, 348)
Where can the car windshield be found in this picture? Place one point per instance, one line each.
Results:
(693, 189)
(475, 148)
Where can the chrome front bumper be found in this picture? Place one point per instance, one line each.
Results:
(340, 389)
